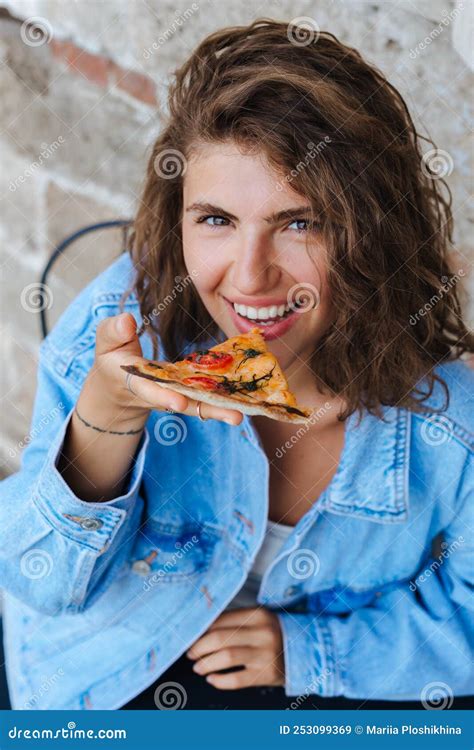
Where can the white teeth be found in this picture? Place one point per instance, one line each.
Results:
(261, 313)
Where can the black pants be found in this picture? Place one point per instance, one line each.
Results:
(193, 692)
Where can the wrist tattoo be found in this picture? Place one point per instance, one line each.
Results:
(109, 432)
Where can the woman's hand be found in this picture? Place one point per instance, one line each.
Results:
(108, 420)
(248, 637)
(105, 398)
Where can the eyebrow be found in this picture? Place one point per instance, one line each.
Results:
(287, 214)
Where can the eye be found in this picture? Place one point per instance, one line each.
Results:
(213, 221)
(304, 225)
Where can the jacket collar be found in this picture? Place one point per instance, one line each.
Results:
(371, 481)
(372, 477)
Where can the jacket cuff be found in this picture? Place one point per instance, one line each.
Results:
(310, 661)
(92, 524)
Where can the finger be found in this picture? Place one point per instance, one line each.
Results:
(154, 395)
(237, 680)
(148, 394)
(226, 637)
(247, 616)
(208, 411)
(116, 332)
(233, 656)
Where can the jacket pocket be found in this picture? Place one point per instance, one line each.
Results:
(164, 553)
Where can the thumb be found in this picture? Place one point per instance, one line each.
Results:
(118, 332)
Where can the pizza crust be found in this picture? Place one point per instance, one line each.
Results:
(274, 411)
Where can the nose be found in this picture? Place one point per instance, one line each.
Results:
(254, 268)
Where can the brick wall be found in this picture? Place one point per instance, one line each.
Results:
(83, 100)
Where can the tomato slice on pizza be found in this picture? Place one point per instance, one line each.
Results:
(241, 373)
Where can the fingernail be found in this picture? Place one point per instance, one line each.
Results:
(229, 421)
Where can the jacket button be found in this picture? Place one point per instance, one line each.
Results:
(141, 567)
(90, 524)
(291, 590)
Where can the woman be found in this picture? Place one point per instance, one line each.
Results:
(288, 187)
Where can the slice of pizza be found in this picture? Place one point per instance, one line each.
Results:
(241, 373)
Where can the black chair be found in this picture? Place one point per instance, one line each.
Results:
(60, 250)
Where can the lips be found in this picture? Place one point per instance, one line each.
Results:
(271, 331)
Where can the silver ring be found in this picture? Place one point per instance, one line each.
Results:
(127, 383)
(170, 411)
(198, 409)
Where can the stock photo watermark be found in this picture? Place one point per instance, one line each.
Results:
(447, 19)
(45, 420)
(437, 164)
(36, 31)
(44, 687)
(170, 430)
(303, 564)
(446, 552)
(303, 31)
(181, 552)
(47, 150)
(313, 688)
(315, 149)
(36, 297)
(178, 288)
(175, 26)
(170, 696)
(448, 282)
(436, 430)
(301, 431)
(437, 696)
(170, 163)
(36, 564)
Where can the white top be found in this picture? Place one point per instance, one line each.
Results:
(275, 536)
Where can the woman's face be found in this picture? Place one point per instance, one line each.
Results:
(245, 233)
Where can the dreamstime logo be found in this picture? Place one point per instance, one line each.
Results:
(446, 551)
(36, 31)
(302, 297)
(46, 683)
(36, 297)
(302, 31)
(179, 286)
(170, 430)
(47, 149)
(170, 163)
(436, 430)
(437, 696)
(436, 164)
(181, 551)
(447, 284)
(303, 563)
(313, 687)
(316, 415)
(435, 33)
(170, 696)
(314, 150)
(36, 430)
(35, 564)
(174, 26)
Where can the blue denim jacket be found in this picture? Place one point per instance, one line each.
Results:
(101, 598)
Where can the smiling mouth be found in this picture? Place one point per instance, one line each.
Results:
(264, 316)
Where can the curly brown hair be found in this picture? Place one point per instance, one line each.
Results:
(385, 216)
